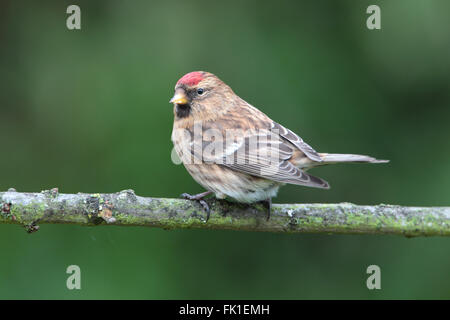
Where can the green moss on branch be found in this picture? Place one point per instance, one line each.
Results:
(126, 209)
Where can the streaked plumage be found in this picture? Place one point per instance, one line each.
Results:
(243, 170)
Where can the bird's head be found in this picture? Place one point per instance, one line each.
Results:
(200, 94)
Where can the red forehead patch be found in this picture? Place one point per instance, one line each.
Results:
(191, 78)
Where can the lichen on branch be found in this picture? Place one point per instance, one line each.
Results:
(125, 208)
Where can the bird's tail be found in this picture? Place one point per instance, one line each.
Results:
(329, 158)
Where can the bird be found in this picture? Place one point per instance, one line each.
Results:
(232, 149)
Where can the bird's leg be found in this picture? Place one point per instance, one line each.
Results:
(268, 204)
(199, 197)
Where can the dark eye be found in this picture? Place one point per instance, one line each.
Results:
(200, 91)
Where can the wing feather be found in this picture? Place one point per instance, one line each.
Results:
(263, 154)
(296, 141)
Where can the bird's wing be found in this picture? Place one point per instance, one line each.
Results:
(296, 141)
(263, 154)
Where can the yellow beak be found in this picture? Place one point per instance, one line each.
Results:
(179, 98)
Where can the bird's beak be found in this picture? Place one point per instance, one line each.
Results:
(179, 97)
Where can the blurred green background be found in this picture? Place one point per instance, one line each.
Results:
(87, 111)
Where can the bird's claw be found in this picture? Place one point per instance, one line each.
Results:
(268, 204)
(199, 199)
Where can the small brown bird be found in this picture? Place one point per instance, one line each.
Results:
(233, 149)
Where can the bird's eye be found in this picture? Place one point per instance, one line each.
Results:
(200, 91)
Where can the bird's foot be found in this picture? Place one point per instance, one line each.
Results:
(199, 197)
(268, 204)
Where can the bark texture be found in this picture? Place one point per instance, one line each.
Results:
(127, 209)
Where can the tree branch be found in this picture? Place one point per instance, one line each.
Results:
(126, 209)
